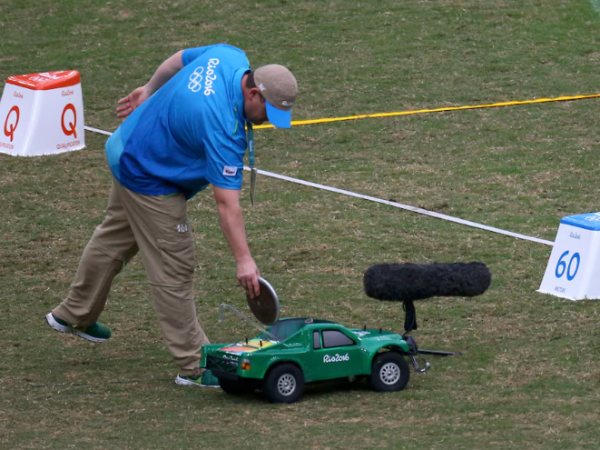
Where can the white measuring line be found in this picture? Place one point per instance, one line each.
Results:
(414, 209)
(406, 207)
(96, 130)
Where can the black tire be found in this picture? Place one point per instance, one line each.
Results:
(284, 384)
(389, 372)
(238, 387)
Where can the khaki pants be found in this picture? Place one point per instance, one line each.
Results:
(157, 227)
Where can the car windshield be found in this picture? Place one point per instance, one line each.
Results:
(287, 327)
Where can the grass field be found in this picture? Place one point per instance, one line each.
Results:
(530, 370)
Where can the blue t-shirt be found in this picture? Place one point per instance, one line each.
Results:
(188, 134)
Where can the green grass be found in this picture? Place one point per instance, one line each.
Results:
(529, 374)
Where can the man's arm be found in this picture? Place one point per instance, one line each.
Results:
(163, 74)
(232, 224)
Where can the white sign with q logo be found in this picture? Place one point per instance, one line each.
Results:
(41, 114)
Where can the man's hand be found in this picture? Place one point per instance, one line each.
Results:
(247, 275)
(164, 73)
(132, 101)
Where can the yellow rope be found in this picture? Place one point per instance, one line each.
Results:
(427, 111)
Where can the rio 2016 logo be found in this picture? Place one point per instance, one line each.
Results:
(10, 125)
(70, 130)
(195, 84)
(336, 358)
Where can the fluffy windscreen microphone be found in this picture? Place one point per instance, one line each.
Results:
(407, 282)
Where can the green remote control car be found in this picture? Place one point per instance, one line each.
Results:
(296, 351)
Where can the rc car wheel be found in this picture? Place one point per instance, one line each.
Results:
(389, 372)
(238, 387)
(284, 384)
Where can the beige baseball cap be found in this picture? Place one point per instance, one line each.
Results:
(279, 88)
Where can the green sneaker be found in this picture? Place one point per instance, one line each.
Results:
(94, 333)
(207, 379)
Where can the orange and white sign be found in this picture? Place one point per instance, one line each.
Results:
(42, 114)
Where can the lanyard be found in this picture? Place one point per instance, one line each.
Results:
(250, 137)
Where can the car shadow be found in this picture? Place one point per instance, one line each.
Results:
(313, 390)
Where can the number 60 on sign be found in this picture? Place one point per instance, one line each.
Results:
(562, 267)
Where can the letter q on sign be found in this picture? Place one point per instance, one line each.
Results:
(70, 130)
(11, 122)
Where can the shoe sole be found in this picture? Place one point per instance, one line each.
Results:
(64, 329)
(183, 382)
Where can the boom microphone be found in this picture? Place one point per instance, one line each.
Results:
(409, 282)
(402, 282)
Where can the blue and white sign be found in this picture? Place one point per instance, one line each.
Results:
(573, 270)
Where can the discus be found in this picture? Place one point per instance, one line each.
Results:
(265, 306)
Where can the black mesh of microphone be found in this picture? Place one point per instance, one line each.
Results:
(409, 282)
